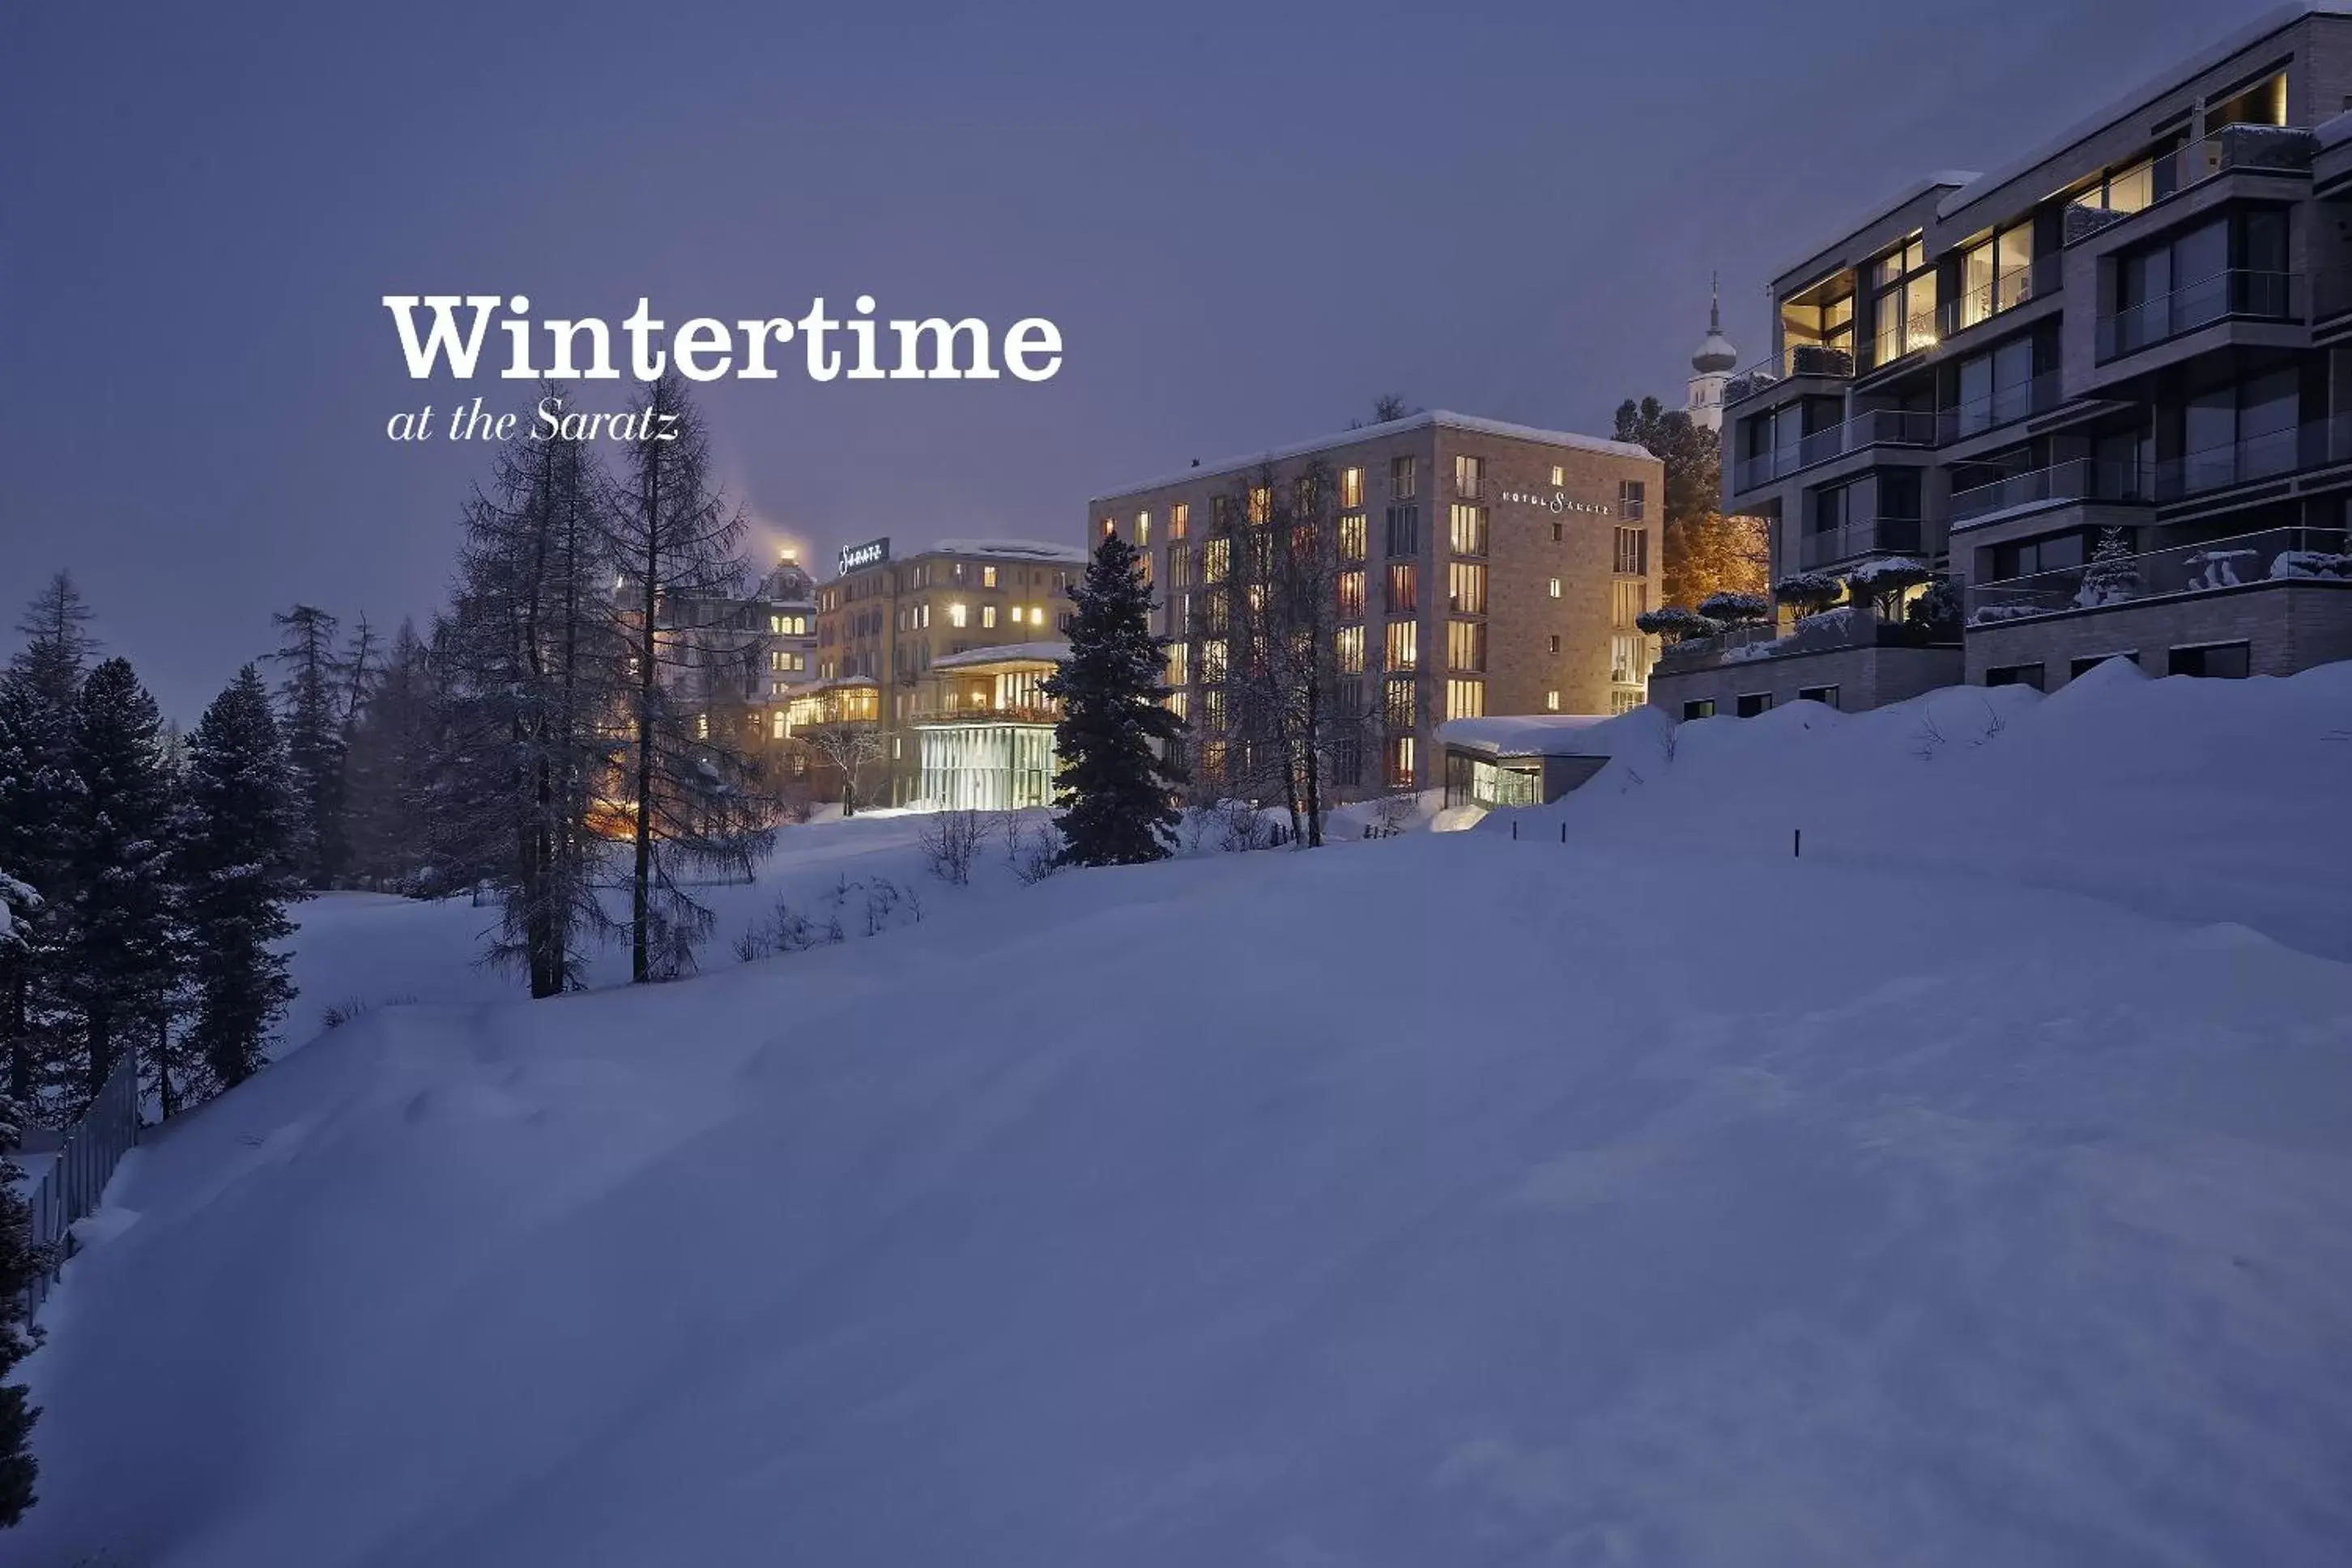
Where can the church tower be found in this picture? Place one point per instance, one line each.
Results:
(1711, 367)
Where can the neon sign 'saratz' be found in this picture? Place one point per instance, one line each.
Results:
(706, 349)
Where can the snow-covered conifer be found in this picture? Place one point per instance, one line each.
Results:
(311, 707)
(1113, 786)
(238, 835)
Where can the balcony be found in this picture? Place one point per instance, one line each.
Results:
(2078, 478)
(2235, 293)
(2273, 454)
(2273, 554)
(2005, 405)
(2250, 149)
(1915, 334)
(1797, 360)
(1875, 427)
(2036, 281)
(1871, 536)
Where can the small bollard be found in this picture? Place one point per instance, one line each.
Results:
(1797, 843)
(1563, 833)
(1515, 830)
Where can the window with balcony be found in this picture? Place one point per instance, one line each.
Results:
(1817, 328)
(2229, 266)
(1633, 499)
(1903, 303)
(1996, 387)
(1632, 553)
(1996, 274)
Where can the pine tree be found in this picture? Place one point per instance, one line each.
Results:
(310, 705)
(387, 772)
(2112, 575)
(20, 1264)
(117, 895)
(1112, 786)
(691, 799)
(38, 691)
(533, 638)
(238, 839)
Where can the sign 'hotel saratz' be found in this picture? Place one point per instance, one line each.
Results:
(1557, 500)
(857, 557)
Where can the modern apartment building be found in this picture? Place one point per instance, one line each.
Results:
(885, 625)
(1482, 568)
(2138, 337)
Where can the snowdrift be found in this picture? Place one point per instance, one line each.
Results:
(1648, 1200)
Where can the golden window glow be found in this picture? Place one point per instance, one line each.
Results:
(1555, 587)
(1403, 645)
(957, 613)
(1404, 586)
(1469, 473)
(1111, 526)
(987, 616)
(1261, 503)
(1551, 701)
(1352, 537)
(1351, 594)
(1466, 587)
(1465, 698)
(1179, 521)
(1176, 662)
(1469, 530)
(1627, 600)
(1351, 488)
(1466, 644)
(1213, 660)
(1216, 558)
(1559, 476)
(987, 576)
(1348, 646)
(1143, 528)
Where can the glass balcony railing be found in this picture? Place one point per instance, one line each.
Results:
(1915, 334)
(2202, 568)
(2003, 293)
(2264, 454)
(2278, 149)
(1872, 427)
(2080, 478)
(2005, 405)
(1796, 360)
(1879, 535)
(2237, 292)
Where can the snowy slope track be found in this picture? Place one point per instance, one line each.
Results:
(1642, 1201)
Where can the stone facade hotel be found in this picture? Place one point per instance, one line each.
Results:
(1480, 568)
(2105, 389)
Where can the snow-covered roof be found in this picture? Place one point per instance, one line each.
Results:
(1048, 652)
(1018, 549)
(1525, 734)
(2334, 129)
(2172, 79)
(1427, 418)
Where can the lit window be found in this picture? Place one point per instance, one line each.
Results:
(1352, 537)
(1465, 698)
(1555, 587)
(1469, 473)
(776, 725)
(702, 726)
(1469, 530)
(1143, 528)
(1559, 476)
(1350, 650)
(1466, 644)
(987, 616)
(1466, 587)
(1401, 769)
(1627, 600)
(1111, 526)
(987, 576)
(1627, 663)
(957, 612)
(1036, 614)
(1351, 488)
(1351, 594)
(1632, 551)
(1551, 701)
(1403, 587)
(1179, 521)
(1261, 503)
(1403, 645)
(1631, 499)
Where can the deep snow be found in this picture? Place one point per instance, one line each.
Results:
(1976, 1189)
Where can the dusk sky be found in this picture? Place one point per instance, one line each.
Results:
(1246, 220)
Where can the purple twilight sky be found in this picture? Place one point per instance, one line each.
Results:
(1247, 220)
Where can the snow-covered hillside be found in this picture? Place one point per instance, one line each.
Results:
(1657, 1198)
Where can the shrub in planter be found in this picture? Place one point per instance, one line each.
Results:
(1734, 609)
(1676, 623)
(1808, 593)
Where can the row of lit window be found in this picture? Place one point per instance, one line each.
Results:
(1405, 479)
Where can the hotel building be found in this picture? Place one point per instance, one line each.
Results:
(899, 644)
(2139, 336)
(1483, 568)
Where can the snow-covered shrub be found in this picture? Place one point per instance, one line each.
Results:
(2113, 576)
(1242, 826)
(1808, 593)
(1033, 850)
(1735, 609)
(949, 841)
(1676, 623)
(1990, 614)
(2310, 564)
(1937, 612)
